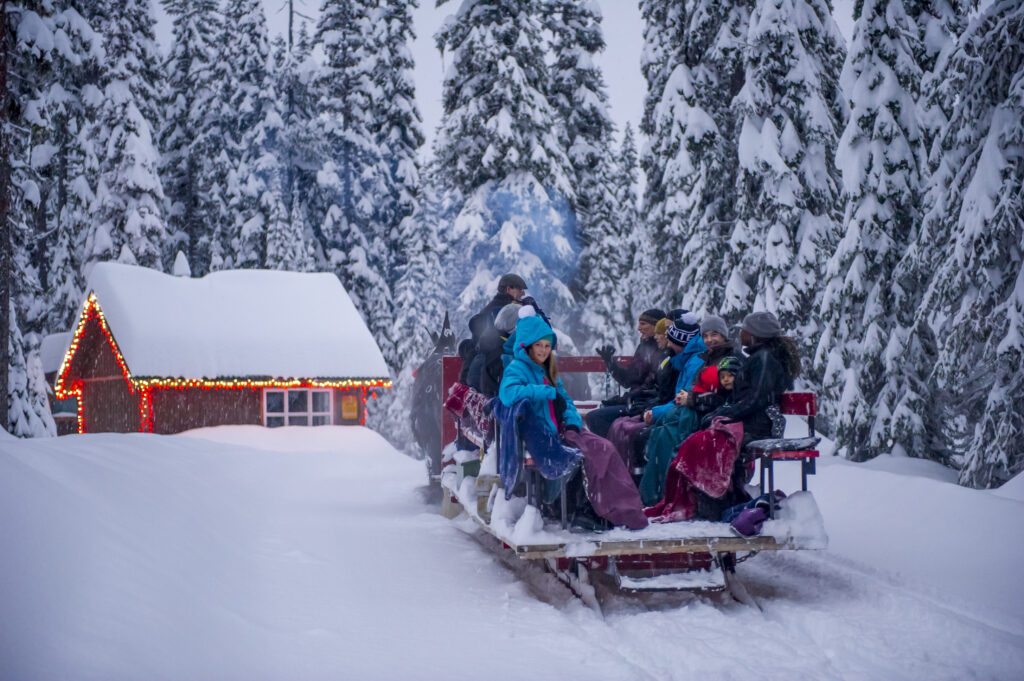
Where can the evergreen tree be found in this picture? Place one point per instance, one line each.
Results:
(297, 153)
(694, 144)
(664, 27)
(31, 92)
(253, 121)
(578, 94)
(936, 25)
(789, 114)
(351, 177)
(628, 231)
(127, 211)
(975, 299)
(396, 124)
(861, 354)
(195, 164)
(287, 246)
(499, 145)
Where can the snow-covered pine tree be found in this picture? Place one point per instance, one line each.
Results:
(695, 142)
(253, 122)
(297, 151)
(352, 175)
(288, 246)
(936, 24)
(396, 125)
(579, 96)
(127, 211)
(194, 163)
(420, 293)
(29, 91)
(789, 114)
(975, 301)
(499, 144)
(861, 354)
(664, 25)
(628, 230)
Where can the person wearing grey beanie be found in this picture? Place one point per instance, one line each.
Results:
(713, 322)
(773, 362)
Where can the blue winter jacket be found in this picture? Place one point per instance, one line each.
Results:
(688, 364)
(524, 379)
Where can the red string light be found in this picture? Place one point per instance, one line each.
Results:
(144, 386)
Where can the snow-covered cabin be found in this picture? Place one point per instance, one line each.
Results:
(163, 354)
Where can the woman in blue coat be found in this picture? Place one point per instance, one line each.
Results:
(532, 375)
(674, 421)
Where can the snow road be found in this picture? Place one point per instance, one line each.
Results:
(243, 553)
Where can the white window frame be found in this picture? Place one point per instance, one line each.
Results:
(308, 413)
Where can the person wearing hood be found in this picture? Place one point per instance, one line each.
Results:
(532, 375)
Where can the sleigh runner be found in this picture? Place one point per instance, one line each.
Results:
(688, 555)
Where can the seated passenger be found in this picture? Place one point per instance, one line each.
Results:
(672, 421)
(533, 375)
(773, 362)
(706, 476)
(491, 348)
(637, 377)
(629, 433)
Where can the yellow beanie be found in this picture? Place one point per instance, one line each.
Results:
(661, 326)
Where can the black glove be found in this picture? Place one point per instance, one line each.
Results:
(606, 354)
(574, 428)
(705, 422)
(560, 407)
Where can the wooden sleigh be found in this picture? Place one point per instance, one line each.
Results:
(689, 555)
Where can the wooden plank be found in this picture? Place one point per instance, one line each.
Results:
(725, 544)
(653, 546)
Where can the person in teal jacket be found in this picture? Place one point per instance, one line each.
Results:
(674, 421)
(532, 375)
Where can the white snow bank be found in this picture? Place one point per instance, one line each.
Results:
(1012, 489)
(246, 553)
(235, 323)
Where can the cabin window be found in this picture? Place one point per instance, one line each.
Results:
(296, 407)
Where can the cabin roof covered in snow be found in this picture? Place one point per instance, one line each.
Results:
(235, 324)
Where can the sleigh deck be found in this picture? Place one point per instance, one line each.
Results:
(797, 526)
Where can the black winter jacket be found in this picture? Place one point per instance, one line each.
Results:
(759, 384)
(640, 374)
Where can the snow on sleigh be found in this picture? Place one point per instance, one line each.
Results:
(687, 555)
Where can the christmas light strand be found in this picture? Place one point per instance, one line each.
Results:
(144, 386)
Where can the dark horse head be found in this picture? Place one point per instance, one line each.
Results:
(426, 405)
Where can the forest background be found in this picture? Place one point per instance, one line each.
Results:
(867, 187)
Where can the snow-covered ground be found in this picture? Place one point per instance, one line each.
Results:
(246, 553)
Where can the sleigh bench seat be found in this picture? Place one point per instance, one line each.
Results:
(770, 450)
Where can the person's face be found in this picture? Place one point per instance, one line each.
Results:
(516, 293)
(726, 379)
(713, 339)
(674, 347)
(746, 338)
(646, 329)
(540, 351)
(662, 340)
